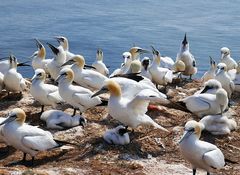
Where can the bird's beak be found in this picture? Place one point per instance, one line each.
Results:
(23, 64)
(142, 51)
(34, 76)
(185, 42)
(186, 134)
(218, 71)
(69, 62)
(154, 51)
(222, 56)
(58, 38)
(33, 55)
(9, 119)
(53, 48)
(88, 66)
(204, 90)
(101, 91)
(58, 78)
(39, 44)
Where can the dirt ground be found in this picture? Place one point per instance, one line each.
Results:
(150, 151)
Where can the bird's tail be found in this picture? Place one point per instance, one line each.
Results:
(179, 105)
(104, 102)
(62, 142)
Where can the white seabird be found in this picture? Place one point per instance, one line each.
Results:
(129, 111)
(211, 87)
(78, 97)
(56, 119)
(199, 153)
(227, 59)
(223, 77)
(99, 64)
(45, 94)
(210, 74)
(63, 41)
(117, 136)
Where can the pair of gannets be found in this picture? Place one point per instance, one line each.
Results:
(45, 94)
(185, 55)
(129, 111)
(38, 57)
(78, 97)
(54, 65)
(99, 64)
(206, 104)
(87, 78)
(223, 77)
(227, 59)
(56, 119)
(160, 76)
(26, 138)
(210, 74)
(13, 81)
(199, 153)
(218, 124)
(117, 136)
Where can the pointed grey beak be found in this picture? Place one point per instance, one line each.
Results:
(59, 39)
(142, 51)
(88, 66)
(23, 64)
(69, 62)
(38, 43)
(53, 48)
(185, 42)
(186, 135)
(154, 51)
(101, 91)
(8, 120)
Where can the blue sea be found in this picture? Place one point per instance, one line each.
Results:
(115, 26)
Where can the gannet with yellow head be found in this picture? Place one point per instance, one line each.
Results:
(78, 97)
(199, 153)
(45, 94)
(129, 111)
(87, 78)
(99, 64)
(26, 138)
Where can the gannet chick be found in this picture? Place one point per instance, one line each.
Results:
(26, 138)
(211, 87)
(218, 124)
(87, 78)
(185, 55)
(13, 81)
(145, 68)
(99, 64)
(207, 104)
(237, 79)
(129, 111)
(117, 136)
(160, 76)
(78, 97)
(210, 74)
(54, 66)
(126, 65)
(38, 57)
(199, 153)
(227, 59)
(223, 77)
(56, 119)
(45, 94)
(63, 41)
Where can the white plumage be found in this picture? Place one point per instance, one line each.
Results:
(63, 41)
(99, 64)
(227, 59)
(210, 74)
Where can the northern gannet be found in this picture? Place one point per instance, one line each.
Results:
(218, 124)
(185, 55)
(78, 97)
(129, 111)
(145, 68)
(223, 77)
(54, 66)
(210, 74)
(136, 52)
(13, 81)
(56, 119)
(211, 87)
(38, 57)
(227, 59)
(199, 153)
(63, 41)
(99, 64)
(160, 76)
(207, 104)
(26, 138)
(87, 78)
(45, 94)
(117, 136)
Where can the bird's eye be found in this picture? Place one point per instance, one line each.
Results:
(40, 74)
(222, 68)
(128, 57)
(225, 53)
